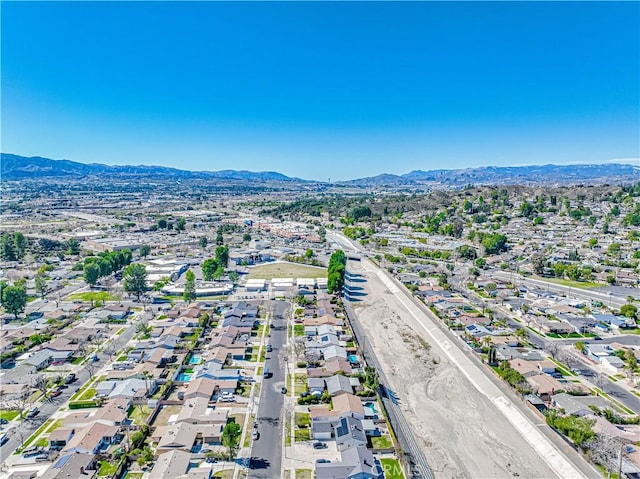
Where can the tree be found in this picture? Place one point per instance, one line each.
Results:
(145, 249)
(135, 279)
(7, 251)
(234, 276)
(73, 246)
(628, 310)
(41, 285)
(246, 237)
(179, 226)
(91, 273)
(592, 242)
(162, 224)
(494, 243)
(14, 299)
(19, 244)
(231, 437)
(308, 254)
(580, 346)
(209, 267)
(521, 333)
(222, 255)
(219, 238)
(203, 242)
(189, 293)
(538, 263)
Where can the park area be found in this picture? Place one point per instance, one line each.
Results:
(286, 270)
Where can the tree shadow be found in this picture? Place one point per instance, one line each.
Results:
(259, 463)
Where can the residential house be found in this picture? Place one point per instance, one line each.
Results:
(339, 384)
(170, 464)
(355, 463)
(91, 438)
(350, 433)
(73, 465)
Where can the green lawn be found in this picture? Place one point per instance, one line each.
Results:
(302, 435)
(140, 414)
(224, 474)
(391, 468)
(107, 468)
(382, 442)
(9, 414)
(303, 419)
(93, 296)
(300, 383)
(88, 393)
(286, 270)
(572, 284)
(304, 474)
(298, 329)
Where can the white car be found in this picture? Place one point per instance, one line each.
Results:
(227, 397)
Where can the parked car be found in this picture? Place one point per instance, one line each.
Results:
(3, 421)
(32, 451)
(255, 434)
(319, 445)
(322, 461)
(56, 392)
(70, 378)
(3, 439)
(269, 348)
(284, 390)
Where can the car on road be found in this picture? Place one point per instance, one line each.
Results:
(283, 390)
(3, 439)
(33, 412)
(255, 435)
(70, 378)
(319, 445)
(56, 392)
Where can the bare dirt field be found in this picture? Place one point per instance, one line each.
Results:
(461, 432)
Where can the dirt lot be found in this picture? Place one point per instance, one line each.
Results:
(462, 433)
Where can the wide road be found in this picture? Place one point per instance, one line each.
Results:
(21, 431)
(266, 452)
(611, 300)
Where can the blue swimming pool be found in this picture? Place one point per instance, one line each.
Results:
(184, 377)
(352, 358)
(195, 359)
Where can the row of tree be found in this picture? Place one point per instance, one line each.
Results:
(336, 271)
(95, 267)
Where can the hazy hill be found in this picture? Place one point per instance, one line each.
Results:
(15, 167)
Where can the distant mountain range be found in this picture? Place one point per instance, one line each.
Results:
(497, 175)
(15, 167)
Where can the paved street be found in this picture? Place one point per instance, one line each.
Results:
(20, 431)
(266, 453)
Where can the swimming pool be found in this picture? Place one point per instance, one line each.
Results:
(184, 377)
(195, 359)
(352, 358)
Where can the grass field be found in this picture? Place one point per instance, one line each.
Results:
(286, 270)
(92, 296)
(572, 284)
(9, 414)
(391, 468)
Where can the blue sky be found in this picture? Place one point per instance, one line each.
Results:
(322, 90)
